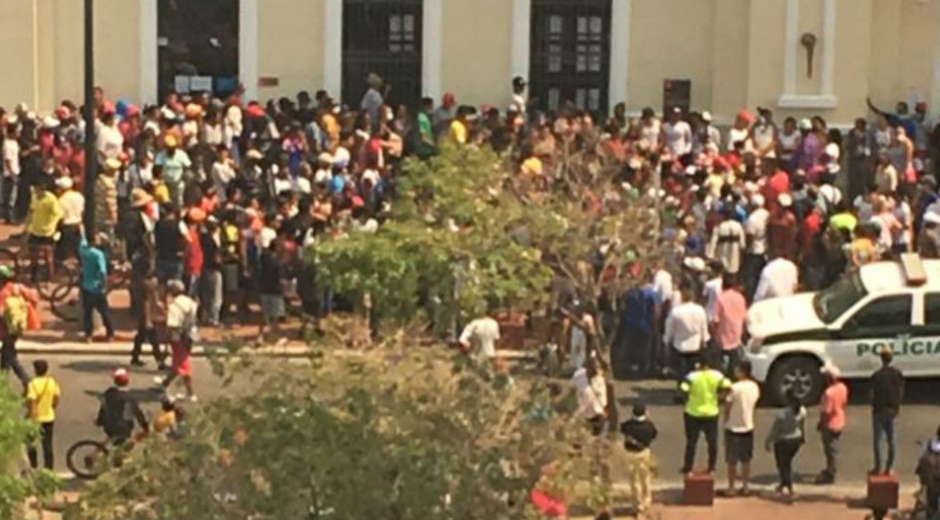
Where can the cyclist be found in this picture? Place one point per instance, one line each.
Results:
(119, 410)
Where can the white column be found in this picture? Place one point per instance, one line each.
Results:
(791, 46)
(620, 20)
(825, 99)
(521, 34)
(149, 65)
(333, 48)
(829, 48)
(248, 47)
(432, 41)
(935, 83)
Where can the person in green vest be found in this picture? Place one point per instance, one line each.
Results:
(704, 390)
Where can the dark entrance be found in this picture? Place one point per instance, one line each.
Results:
(570, 53)
(198, 38)
(382, 36)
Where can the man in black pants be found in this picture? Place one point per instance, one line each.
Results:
(704, 389)
(145, 305)
(42, 395)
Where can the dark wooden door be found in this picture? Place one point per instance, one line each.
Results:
(198, 38)
(384, 37)
(570, 53)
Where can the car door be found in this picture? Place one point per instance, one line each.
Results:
(883, 322)
(923, 347)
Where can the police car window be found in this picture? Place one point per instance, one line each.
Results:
(831, 303)
(932, 310)
(885, 313)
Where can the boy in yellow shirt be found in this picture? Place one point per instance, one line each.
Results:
(42, 396)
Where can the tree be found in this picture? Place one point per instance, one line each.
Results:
(17, 483)
(467, 229)
(399, 432)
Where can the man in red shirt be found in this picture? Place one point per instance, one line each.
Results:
(831, 420)
(777, 185)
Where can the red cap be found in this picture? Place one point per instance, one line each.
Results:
(62, 112)
(121, 377)
(108, 108)
(132, 110)
(745, 115)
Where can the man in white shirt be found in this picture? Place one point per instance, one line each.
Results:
(479, 338)
(739, 426)
(591, 388)
(519, 97)
(755, 252)
(11, 170)
(72, 204)
(677, 134)
(779, 278)
(686, 331)
(110, 140)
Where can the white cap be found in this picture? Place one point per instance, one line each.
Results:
(707, 116)
(50, 122)
(64, 183)
(806, 124)
(757, 200)
(694, 263)
(932, 217)
(691, 170)
(785, 200)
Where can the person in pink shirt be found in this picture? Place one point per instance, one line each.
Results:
(728, 320)
(831, 420)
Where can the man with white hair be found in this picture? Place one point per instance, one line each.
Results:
(831, 420)
(755, 253)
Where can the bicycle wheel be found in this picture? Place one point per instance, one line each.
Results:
(87, 459)
(65, 302)
(65, 275)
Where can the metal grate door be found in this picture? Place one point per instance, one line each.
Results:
(570, 53)
(384, 37)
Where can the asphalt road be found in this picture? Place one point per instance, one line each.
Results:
(84, 377)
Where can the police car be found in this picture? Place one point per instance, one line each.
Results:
(881, 305)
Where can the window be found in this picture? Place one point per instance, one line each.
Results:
(886, 315)
(384, 37)
(570, 53)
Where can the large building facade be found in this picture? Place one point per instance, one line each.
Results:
(794, 56)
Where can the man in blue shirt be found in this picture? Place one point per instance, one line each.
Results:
(633, 342)
(94, 284)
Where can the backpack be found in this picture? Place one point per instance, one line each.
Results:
(16, 314)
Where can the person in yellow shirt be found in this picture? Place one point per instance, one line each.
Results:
(42, 396)
(42, 222)
(459, 133)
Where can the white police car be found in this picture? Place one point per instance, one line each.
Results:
(882, 304)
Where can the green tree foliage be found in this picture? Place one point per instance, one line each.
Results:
(396, 432)
(17, 483)
(466, 229)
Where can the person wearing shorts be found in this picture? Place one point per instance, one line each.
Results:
(181, 325)
(739, 426)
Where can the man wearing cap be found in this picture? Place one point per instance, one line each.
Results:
(175, 162)
(928, 240)
(706, 134)
(807, 153)
(372, 100)
(832, 417)
(106, 204)
(110, 141)
(781, 229)
(755, 254)
(72, 204)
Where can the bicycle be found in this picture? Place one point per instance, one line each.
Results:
(50, 272)
(89, 459)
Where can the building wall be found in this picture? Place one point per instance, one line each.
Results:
(680, 29)
(290, 46)
(733, 51)
(476, 58)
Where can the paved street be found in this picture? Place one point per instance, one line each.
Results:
(84, 376)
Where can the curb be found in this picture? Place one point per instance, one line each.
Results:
(124, 348)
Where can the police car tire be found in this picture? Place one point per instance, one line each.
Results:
(806, 365)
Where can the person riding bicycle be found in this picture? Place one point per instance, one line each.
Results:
(119, 410)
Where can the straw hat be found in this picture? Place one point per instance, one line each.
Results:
(140, 198)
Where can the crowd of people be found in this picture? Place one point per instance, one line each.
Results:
(213, 201)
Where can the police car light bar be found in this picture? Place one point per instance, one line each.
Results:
(913, 268)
